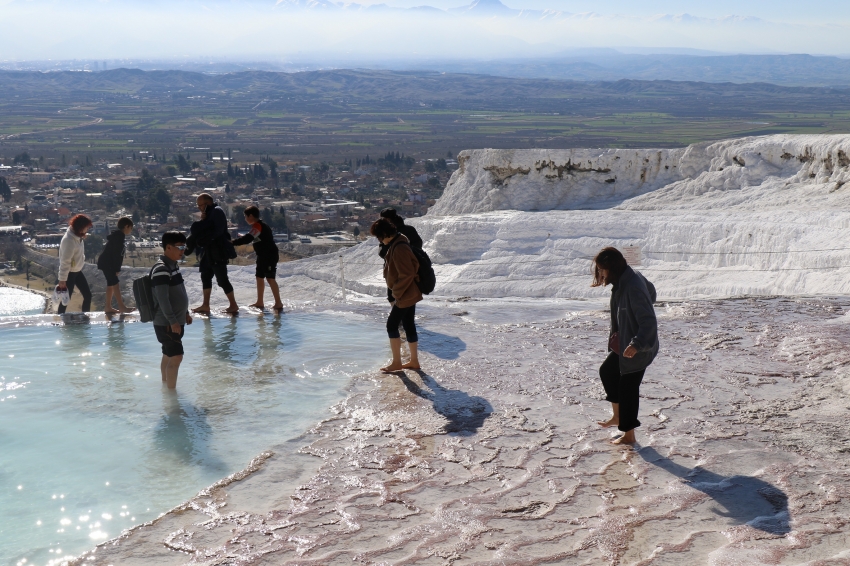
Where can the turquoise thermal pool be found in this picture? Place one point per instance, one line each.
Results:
(91, 444)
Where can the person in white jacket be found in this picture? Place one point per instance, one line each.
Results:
(72, 258)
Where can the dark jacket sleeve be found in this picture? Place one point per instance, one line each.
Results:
(220, 222)
(412, 236)
(111, 258)
(651, 288)
(640, 304)
(243, 240)
(210, 228)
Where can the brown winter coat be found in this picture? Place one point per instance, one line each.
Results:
(401, 270)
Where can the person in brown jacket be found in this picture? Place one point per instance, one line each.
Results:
(401, 270)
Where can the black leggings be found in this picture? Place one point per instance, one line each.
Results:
(220, 272)
(78, 280)
(622, 389)
(405, 318)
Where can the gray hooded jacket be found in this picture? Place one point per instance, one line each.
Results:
(633, 316)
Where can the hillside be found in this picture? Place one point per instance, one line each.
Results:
(756, 216)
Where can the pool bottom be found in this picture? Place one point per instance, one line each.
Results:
(493, 455)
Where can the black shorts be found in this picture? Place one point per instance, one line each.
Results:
(172, 344)
(111, 278)
(266, 269)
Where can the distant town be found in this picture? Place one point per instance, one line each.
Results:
(306, 203)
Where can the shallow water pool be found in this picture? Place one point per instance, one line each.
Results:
(19, 302)
(91, 443)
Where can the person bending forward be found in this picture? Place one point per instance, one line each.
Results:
(632, 341)
(110, 262)
(267, 256)
(400, 272)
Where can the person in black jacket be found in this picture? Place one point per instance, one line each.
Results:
(406, 229)
(110, 262)
(632, 340)
(267, 256)
(212, 240)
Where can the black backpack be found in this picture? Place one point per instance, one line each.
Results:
(427, 277)
(143, 294)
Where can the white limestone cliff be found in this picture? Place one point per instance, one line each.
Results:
(753, 216)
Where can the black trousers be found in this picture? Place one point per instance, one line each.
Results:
(405, 317)
(78, 280)
(220, 273)
(622, 389)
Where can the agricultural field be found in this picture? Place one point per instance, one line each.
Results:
(335, 115)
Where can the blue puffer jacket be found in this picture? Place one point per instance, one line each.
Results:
(633, 316)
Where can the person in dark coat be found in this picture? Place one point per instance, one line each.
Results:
(262, 237)
(110, 261)
(406, 229)
(212, 241)
(401, 271)
(632, 340)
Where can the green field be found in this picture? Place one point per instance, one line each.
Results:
(335, 115)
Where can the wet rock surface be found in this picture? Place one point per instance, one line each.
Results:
(492, 454)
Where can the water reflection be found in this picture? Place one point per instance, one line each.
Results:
(465, 413)
(183, 434)
(219, 338)
(267, 364)
(745, 499)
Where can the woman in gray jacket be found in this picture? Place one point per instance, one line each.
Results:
(632, 341)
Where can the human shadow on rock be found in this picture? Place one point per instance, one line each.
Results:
(443, 346)
(465, 413)
(745, 499)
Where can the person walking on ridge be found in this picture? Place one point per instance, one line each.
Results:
(211, 236)
(400, 272)
(110, 261)
(72, 258)
(632, 340)
(171, 306)
(262, 237)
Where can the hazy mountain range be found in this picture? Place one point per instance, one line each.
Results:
(323, 32)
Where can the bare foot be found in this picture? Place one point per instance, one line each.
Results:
(391, 368)
(109, 311)
(201, 309)
(410, 365)
(627, 438)
(127, 310)
(609, 423)
(278, 307)
(232, 310)
(260, 306)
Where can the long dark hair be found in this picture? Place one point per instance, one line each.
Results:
(611, 260)
(79, 222)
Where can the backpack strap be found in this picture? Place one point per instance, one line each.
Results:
(160, 262)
